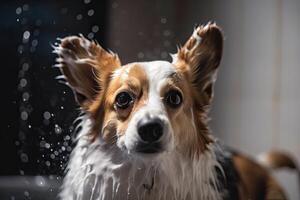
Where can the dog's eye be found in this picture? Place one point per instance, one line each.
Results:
(173, 98)
(123, 100)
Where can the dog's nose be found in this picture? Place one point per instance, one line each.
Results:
(150, 130)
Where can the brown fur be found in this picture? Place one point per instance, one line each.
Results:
(256, 181)
(198, 63)
(86, 66)
(136, 83)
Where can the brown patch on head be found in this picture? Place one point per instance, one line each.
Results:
(131, 79)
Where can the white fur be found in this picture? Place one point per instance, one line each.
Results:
(157, 73)
(97, 171)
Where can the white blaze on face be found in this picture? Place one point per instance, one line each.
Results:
(157, 73)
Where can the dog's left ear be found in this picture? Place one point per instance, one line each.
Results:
(199, 59)
(86, 67)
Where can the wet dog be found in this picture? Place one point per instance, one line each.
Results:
(145, 135)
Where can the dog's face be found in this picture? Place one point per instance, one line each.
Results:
(146, 107)
(146, 101)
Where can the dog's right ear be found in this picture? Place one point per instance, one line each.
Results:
(200, 58)
(86, 66)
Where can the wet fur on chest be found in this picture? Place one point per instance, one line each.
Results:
(100, 172)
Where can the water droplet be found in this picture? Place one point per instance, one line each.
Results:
(18, 10)
(24, 115)
(17, 143)
(91, 12)
(140, 55)
(69, 149)
(25, 66)
(34, 42)
(167, 33)
(48, 163)
(57, 129)
(23, 82)
(47, 115)
(24, 157)
(26, 193)
(29, 126)
(95, 29)
(42, 144)
(163, 20)
(40, 181)
(87, 1)
(67, 137)
(20, 49)
(47, 145)
(90, 35)
(79, 17)
(25, 96)
(26, 35)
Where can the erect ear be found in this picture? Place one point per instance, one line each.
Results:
(85, 66)
(199, 58)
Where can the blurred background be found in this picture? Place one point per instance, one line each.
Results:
(257, 100)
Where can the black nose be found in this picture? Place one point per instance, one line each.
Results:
(150, 130)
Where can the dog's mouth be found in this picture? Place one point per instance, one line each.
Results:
(149, 148)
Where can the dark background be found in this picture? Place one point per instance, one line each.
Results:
(37, 111)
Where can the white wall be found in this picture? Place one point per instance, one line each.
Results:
(257, 104)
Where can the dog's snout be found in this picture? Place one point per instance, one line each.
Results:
(150, 130)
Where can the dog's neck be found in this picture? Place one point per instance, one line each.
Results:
(99, 172)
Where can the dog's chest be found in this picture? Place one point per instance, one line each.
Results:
(99, 175)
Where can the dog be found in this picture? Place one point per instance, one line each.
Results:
(144, 133)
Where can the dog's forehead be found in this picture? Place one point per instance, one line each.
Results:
(155, 71)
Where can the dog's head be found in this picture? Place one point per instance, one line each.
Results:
(146, 107)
